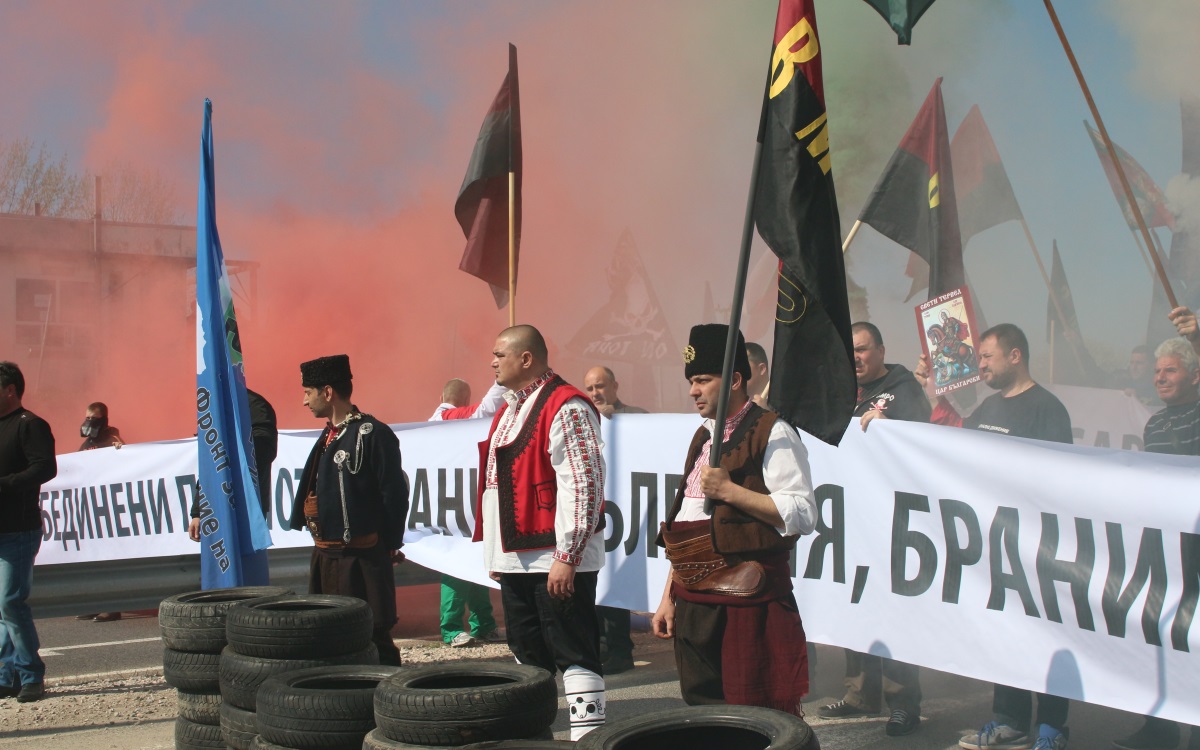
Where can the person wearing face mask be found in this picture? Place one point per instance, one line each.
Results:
(96, 431)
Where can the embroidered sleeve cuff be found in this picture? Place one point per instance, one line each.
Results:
(568, 558)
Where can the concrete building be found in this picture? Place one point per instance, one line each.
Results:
(105, 311)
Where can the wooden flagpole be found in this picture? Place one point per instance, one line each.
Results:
(512, 249)
(1112, 154)
(1142, 250)
(1162, 255)
(850, 236)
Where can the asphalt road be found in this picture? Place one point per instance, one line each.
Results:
(952, 705)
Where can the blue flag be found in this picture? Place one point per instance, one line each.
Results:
(234, 535)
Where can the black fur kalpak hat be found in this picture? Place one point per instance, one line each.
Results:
(705, 352)
(324, 371)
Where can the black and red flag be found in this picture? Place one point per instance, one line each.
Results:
(984, 194)
(483, 200)
(812, 381)
(913, 203)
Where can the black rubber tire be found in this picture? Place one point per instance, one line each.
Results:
(377, 740)
(195, 621)
(200, 708)
(238, 726)
(299, 627)
(193, 672)
(521, 745)
(326, 708)
(705, 728)
(192, 736)
(456, 704)
(241, 675)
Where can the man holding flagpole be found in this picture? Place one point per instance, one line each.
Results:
(728, 602)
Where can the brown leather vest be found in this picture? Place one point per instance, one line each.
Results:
(733, 531)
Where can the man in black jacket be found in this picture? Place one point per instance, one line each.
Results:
(26, 463)
(884, 392)
(353, 499)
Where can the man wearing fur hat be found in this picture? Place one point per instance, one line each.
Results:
(728, 602)
(540, 505)
(353, 499)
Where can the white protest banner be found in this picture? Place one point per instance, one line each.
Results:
(1066, 569)
(1104, 417)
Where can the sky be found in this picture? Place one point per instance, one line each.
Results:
(342, 133)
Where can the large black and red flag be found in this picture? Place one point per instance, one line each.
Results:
(812, 380)
(914, 204)
(482, 205)
(985, 196)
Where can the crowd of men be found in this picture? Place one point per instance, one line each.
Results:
(728, 604)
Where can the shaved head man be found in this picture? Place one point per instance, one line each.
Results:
(538, 512)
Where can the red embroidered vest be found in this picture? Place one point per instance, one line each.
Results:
(525, 479)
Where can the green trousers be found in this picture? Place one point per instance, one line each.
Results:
(459, 595)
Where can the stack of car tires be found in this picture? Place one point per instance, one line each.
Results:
(300, 671)
(448, 705)
(193, 633)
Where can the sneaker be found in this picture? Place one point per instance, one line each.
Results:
(10, 690)
(996, 736)
(842, 710)
(31, 691)
(902, 722)
(461, 640)
(1050, 738)
(1154, 734)
(494, 636)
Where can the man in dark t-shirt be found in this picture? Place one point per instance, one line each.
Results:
(1020, 408)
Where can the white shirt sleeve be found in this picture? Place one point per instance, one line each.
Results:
(789, 480)
(438, 412)
(577, 455)
(490, 403)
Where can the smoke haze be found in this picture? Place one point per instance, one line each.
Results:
(342, 134)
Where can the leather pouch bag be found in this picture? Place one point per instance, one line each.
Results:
(697, 567)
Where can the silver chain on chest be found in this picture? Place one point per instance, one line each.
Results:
(340, 459)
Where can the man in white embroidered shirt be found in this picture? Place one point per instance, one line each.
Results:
(539, 508)
(728, 602)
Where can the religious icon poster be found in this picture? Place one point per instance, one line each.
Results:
(948, 332)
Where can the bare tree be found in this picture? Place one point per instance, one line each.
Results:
(133, 195)
(30, 176)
